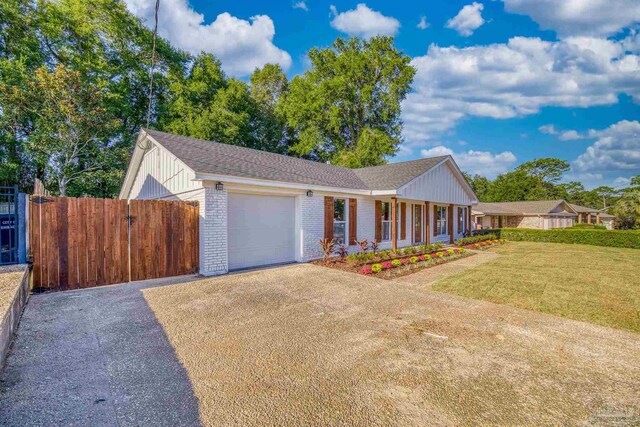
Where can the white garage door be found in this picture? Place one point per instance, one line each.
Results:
(261, 230)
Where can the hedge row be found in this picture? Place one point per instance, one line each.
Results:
(614, 238)
(475, 239)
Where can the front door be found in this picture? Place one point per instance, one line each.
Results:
(417, 223)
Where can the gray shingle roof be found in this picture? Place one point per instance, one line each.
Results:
(584, 209)
(394, 175)
(223, 159)
(528, 207)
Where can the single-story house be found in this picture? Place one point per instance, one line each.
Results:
(260, 208)
(541, 214)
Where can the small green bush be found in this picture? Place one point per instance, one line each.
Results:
(464, 241)
(597, 237)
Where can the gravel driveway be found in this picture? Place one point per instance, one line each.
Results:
(307, 345)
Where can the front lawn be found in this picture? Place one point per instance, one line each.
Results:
(594, 284)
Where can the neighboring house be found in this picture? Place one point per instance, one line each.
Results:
(541, 214)
(593, 216)
(259, 208)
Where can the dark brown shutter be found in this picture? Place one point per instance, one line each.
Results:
(435, 220)
(378, 220)
(403, 220)
(450, 223)
(353, 221)
(469, 219)
(328, 217)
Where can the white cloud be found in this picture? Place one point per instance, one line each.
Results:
(241, 45)
(617, 148)
(423, 24)
(515, 79)
(474, 162)
(301, 5)
(364, 22)
(621, 181)
(569, 135)
(579, 17)
(467, 20)
(548, 129)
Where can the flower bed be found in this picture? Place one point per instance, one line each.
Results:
(397, 266)
(480, 246)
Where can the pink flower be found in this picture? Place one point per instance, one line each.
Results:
(421, 257)
(386, 265)
(366, 270)
(405, 261)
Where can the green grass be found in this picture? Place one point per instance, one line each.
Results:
(594, 284)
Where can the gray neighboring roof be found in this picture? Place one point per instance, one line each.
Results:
(584, 209)
(224, 159)
(536, 207)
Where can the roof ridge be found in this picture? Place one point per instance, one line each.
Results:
(364, 186)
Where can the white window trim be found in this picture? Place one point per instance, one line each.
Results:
(385, 221)
(465, 218)
(444, 221)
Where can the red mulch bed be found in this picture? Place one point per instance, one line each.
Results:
(481, 246)
(391, 273)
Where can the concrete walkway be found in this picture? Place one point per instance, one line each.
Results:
(95, 357)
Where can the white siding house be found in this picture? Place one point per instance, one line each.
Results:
(259, 208)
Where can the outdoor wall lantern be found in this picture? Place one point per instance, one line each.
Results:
(219, 186)
(309, 193)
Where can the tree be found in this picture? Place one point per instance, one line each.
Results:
(70, 124)
(627, 209)
(511, 187)
(606, 195)
(268, 87)
(479, 184)
(547, 169)
(109, 49)
(346, 108)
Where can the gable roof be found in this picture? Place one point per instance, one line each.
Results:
(394, 175)
(536, 207)
(213, 158)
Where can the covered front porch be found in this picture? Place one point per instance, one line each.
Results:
(405, 222)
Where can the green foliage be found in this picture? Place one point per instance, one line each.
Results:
(475, 239)
(105, 52)
(547, 169)
(71, 126)
(584, 225)
(614, 238)
(627, 208)
(346, 108)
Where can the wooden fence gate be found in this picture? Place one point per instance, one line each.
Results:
(86, 242)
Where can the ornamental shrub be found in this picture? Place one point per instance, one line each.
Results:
(405, 261)
(413, 259)
(376, 268)
(396, 262)
(386, 265)
(613, 238)
(368, 269)
(440, 254)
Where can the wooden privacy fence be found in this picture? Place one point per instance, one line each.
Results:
(85, 242)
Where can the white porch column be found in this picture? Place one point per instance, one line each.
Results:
(213, 231)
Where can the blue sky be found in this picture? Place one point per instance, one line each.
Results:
(498, 82)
